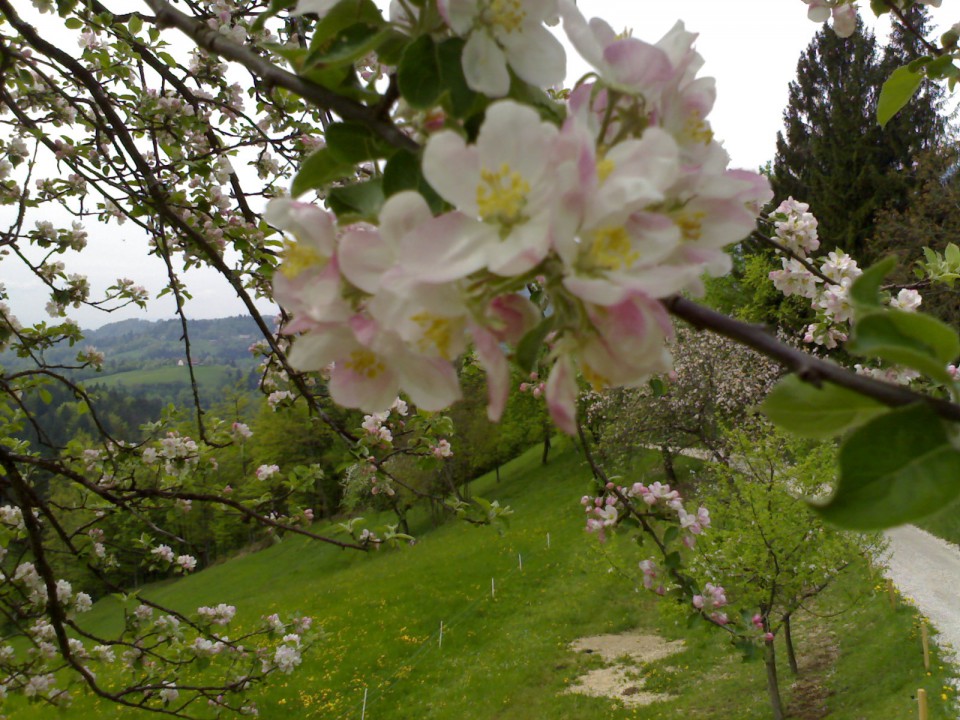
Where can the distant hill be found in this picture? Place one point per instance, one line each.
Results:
(142, 354)
(136, 344)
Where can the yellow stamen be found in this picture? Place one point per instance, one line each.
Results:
(506, 14)
(610, 248)
(437, 333)
(697, 129)
(597, 381)
(604, 168)
(364, 362)
(501, 195)
(691, 224)
(298, 257)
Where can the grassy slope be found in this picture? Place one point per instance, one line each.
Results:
(508, 657)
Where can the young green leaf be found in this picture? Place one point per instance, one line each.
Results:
(918, 341)
(418, 75)
(820, 413)
(460, 100)
(403, 172)
(344, 14)
(865, 291)
(361, 201)
(351, 143)
(348, 45)
(896, 469)
(896, 92)
(528, 349)
(321, 168)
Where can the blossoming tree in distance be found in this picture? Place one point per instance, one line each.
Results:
(447, 197)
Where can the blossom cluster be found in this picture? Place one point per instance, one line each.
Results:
(796, 229)
(829, 292)
(628, 201)
(608, 509)
(843, 13)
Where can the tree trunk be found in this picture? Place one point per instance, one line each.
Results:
(788, 639)
(668, 464)
(773, 687)
(546, 449)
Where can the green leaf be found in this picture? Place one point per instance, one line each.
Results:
(318, 170)
(951, 254)
(896, 92)
(942, 67)
(293, 55)
(865, 291)
(344, 14)
(896, 469)
(351, 143)
(73, 23)
(461, 100)
(275, 7)
(45, 396)
(879, 7)
(419, 74)
(361, 201)
(907, 338)
(814, 412)
(135, 24)
(348, 45)
(528, 349)
(403, 172)
(549, 110)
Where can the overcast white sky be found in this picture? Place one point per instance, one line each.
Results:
(751, 47)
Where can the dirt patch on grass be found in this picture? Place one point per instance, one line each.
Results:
(626, 654)
(816, 658)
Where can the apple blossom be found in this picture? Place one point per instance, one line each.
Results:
(506, 32)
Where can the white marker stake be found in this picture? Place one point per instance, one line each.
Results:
(363, 713)
(493, 588)
(440, 641)
(548, 541)
(520, 560)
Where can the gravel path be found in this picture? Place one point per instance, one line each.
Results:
(925, 569)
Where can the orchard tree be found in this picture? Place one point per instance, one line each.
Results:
(715, 384)
(448, 183)
(770, 553)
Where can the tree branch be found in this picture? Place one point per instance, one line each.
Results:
(209, 39)
(808, 368)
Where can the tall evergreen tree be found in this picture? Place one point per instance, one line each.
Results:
(833, 154)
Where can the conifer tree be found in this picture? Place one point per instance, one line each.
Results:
(833, 154)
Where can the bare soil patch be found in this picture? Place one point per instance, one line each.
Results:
(625, 654)
(816, 657)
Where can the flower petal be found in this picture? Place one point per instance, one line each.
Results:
(453, 169)
(536, 56)
(498, 372)
(484, 65)
(562, 392)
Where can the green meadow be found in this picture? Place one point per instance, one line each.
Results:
(507, 655)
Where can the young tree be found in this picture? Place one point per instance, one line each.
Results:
(769, 553)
